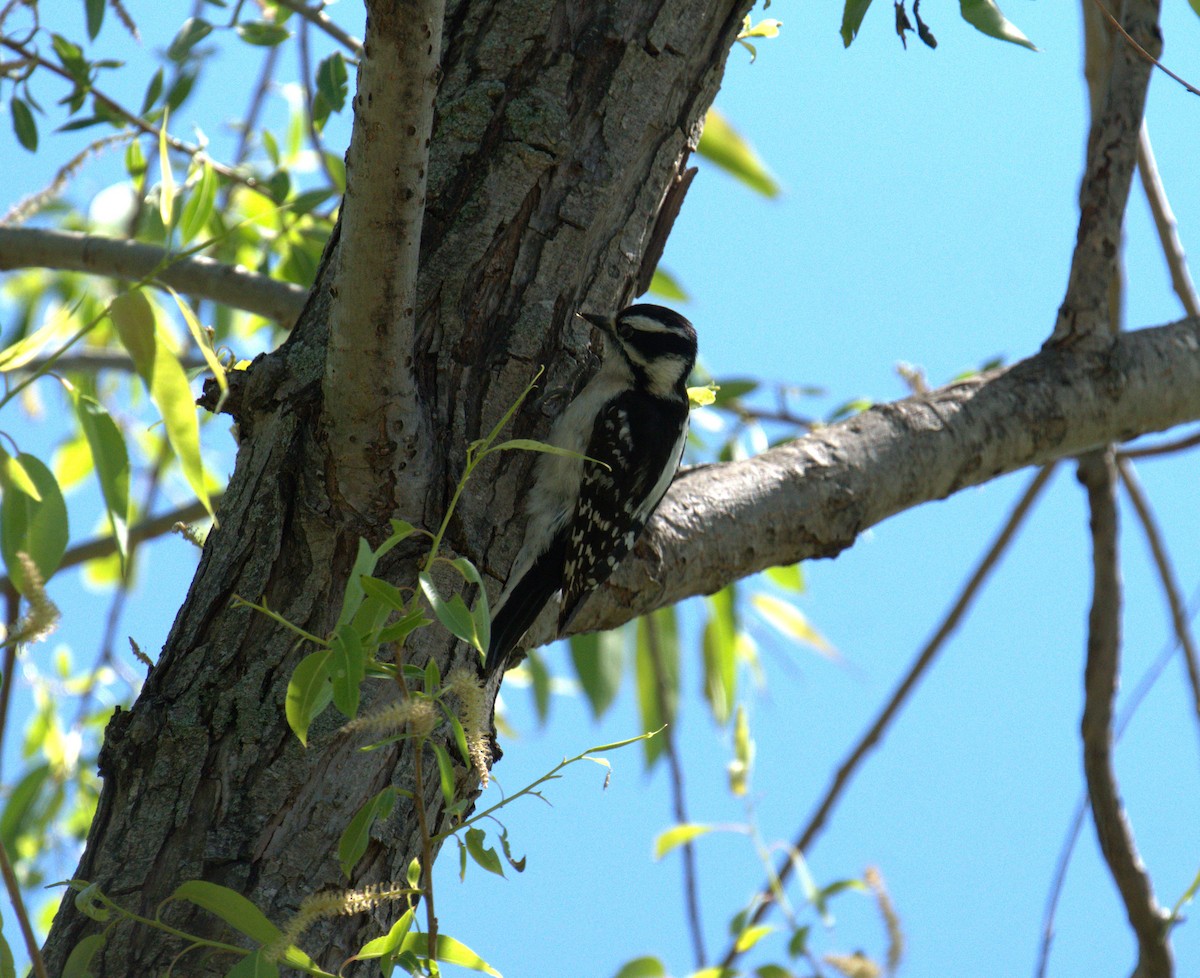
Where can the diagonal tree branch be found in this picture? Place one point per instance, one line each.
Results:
(765, 898)
(1166, 573)
(198, 276)
(814, 496)
(1164, 222)
(1098, 473)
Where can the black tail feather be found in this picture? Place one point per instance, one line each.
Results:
(522, 607)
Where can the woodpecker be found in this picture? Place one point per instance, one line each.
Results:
(631, 418)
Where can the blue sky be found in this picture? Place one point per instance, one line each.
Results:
(928, 217)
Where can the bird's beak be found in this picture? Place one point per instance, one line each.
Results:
(604, 323)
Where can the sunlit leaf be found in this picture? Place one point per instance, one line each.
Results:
(263, 34)
(725, 147)
(719, 644)
(751, 936)
(647, 967)
(792, 623)
(233, 908)
(483, 855)
(54, 331)
(167, 382)
(166, 184)
(985, 16)
(599, 660)
(743, 754)
(677, 836)
(36, 527)
(449, 951)
(657, 673)
(198, 207)
(666, 286)
(110, 458)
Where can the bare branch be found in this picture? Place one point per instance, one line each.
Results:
(1141, 51)
(765, 898)
(94, 549)
(1166, 448)
(1098, 473)
(812, 497)
(376, 420)
(1112, 152)
(317, 18)
(1166, 573)
(1164, 221)
(135, 120)
(205, 278)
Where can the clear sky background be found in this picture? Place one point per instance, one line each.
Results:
(928, 217)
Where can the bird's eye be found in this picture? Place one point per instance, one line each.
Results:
(624, 330)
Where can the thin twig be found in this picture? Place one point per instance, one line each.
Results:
(12, 614)
(98, 547)
(878, 727)
(1164, 221)
(196, 275)
(135, 120)
(1141, 51)
(1132, 702)
(691, 882)
(1166, 448)
(18, 903)
(1098, 473)
(1166, 574)
(318, 19)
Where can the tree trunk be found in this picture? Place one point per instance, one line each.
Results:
(560, 130)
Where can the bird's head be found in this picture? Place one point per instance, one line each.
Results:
(657, 343)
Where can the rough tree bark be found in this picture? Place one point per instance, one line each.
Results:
(560, 146)
(560, 127)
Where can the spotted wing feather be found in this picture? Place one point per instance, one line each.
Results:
(608, 519)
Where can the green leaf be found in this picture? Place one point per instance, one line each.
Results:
(95, 16)
(388, 594)
(743, 754)
(166, 183)
(110, 459)
(657, 676)
(71, 56)
(29, 348)
(720, 653)
(539, 684)
(647, 967)
(13, 472)
(676, 836)
(666, 286)
(37, 527)
(153, 91)
(202, 339)
(309, 692)
(332, 86)
(725, 147)
(791, 622)
(20, 810)
(445, 772)
(254, 965)
(790, 577)
(852, 18)
(480, 616)
(599, 660)
(135, 164)
(751, 936)
(199, 205)
(79, 961)
(347, 669)
(449, 951)
(354, 840)
(263, 34)
(8, 967)
(193, 31)
(484, 856)
(985, 16)
(163, 375)
(454, 614)
(390, 943)
(24, 125)
(233, 908)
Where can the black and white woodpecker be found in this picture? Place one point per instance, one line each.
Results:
(584, 517)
